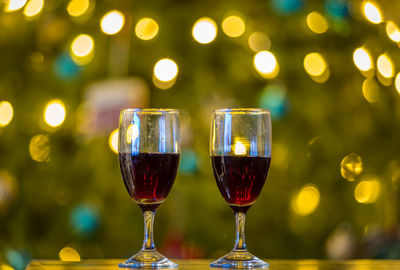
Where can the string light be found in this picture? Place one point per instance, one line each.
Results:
(314, 64)
(113, 141)
(397, 82)
(259, 41)
(39, 148)
(54, 113)
(351, 167)
(385, 66)
(392, 31)
(13, 5)
(204, 30)
(33, 8)
(367, 191)
(306, 201)
(146, 29)
(317, 23)
(372, 12)
(233, 26)
(370, 90)
(266, 64)
(68, 254)
(6, 113)
(362, 59)
(165, 70)
(112, 22)
(77, 8)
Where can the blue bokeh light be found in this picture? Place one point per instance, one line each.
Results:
(273, 97)
(84, 219)
(65, 68)
(188, 162)
(286, 7)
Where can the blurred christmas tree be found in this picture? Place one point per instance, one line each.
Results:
(326, 69)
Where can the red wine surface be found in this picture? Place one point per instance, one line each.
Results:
(148, 177)
(240, 179)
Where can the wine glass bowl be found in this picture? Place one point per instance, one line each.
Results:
(149, 152)
(240, 149)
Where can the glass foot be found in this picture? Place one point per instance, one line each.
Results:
(148, 259)
(239, 259)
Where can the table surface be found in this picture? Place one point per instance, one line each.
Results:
(204, 264)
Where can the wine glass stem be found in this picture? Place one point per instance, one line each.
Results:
(148, 242)
(240, 244)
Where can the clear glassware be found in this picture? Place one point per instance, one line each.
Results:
(149, 152)
(240, 149)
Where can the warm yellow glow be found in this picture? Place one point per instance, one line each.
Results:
(367, 191)
(113, 141)
(308, 267)
(82, 45)
(204, 30)
(323, 77)
(77, 8)
(6, 113)
(306, 201)
(362, 59)
(39, 148)
(314, 64)
(370, 90)
(165, 70)
(54, 113)
(397, 82)
(112, 22)
(163, 85)
(233, 26)
(385, 66)
(13, 5)
(317, 23)
(146, 29)
(351, 167)
(239, 148)
(372, 12)
(259, 41)
(392, 31)
(33, 8)
(266, 64)
(132, 133)
(5, 267)
(68, 254)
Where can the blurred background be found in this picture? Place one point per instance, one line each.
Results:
(326, 69)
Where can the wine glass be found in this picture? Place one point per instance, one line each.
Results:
(149, 151)
(240, 149)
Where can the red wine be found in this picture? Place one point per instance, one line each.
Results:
(148, 177)
(240, 179)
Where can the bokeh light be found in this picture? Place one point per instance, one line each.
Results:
(84, 219)
(39, 148)
(54, 113)
(82, 45)
(362, 59)
(372, 12)
(132, 132)
(77, 8)
(13, 5)
(397, 82)
(385, 66)
(8, 190)
(306, 201)
(33, 8)
(392, 31)
(233, 26)
(266, 64)
(6, 113)
(273, 97)
(317, 23)
(5, 267)
(146, 29)
(113, 141)
(351, 167)
(112, 22)
(367, 191)
(239, 148)
(314, 64)
(68, 254)
(371, 90)
(165, 70)
(259, 41)
(204, 30)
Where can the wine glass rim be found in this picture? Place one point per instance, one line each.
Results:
(242, 110)
(150, 110)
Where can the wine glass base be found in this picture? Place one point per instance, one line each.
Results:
(148, 259)
(239, 259)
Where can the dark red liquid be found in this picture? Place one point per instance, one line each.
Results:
(240, 179)
(148, 177)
